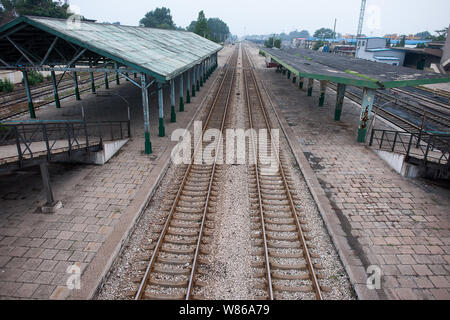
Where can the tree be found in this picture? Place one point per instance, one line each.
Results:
(191, 27)
(201, 26)
(299, 34)
(318, 45)
(159, 18)
(324, 33)
(423, 35)
(43, 8)
(442, 35)
(218, 30)
(402, 42)
(273, 42)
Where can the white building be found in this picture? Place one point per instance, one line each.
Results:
(374, 49)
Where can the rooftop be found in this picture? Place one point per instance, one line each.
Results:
(163, 54)
(351, 71)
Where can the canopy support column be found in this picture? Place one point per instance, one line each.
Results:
(117, 75)
(106, 81)
(173, 115)
(162, 130)
(92, 83)
(202, 73)
(339, 101)
(55, 90)
(148, 144)
(289, 75)
(30, 99)
(310, 87)
(300, 82)
(198, 77)
(294, 80)
(366, 110)
(188, 86)
(77, 90)
(181, 93)
(193, 80)
(323, 89)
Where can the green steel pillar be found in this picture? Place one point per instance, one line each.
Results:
(162, 129)
(294, 79)
(92, 82)
(366, 110)
(284, 72)
(173, 115)
(323, 89)
(197, 71)
(310, 87)
(148, 144)
(289, 74)
(300, 82)
(55, 90)
(188, 87)
(193, 81)
(77, 90)
(181, 93)
(106, 81)
(30, 100)
(117, 74)
(339, 101)
(202, 74)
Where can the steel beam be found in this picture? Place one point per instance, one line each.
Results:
(339, 101)
(366, 110)
(117, 74)
(300, 82)
(198, 77)
(145, 107)
(162, 130)
(30, 99)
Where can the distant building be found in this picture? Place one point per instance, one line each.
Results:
(374, 49)
(424, 58)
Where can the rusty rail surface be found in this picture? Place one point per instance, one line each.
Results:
(195, 177)
(254, 102)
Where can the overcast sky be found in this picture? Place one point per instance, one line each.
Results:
(265, 17)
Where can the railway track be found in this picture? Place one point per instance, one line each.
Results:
(178, 253)
(286, 266)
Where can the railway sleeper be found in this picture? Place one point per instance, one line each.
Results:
(281, 288)
(168, 283)
(281, 276)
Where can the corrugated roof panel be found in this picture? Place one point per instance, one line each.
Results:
(164, 52)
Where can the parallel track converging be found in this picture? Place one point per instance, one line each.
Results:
(171, 271)
(283, 235)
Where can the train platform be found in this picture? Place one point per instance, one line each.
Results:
(40, 252)
(376, 217)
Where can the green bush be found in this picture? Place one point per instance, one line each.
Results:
(6, 86)
(34, 78)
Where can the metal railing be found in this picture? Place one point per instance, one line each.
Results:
(425, 148)
(35, 139)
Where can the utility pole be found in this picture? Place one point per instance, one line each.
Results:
(361, 18)
(334, 30)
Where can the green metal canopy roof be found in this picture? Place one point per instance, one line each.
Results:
(161, 53)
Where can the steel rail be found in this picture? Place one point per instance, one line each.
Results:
(260, 201)
(310, 266)
(205, 208)
(163, 233)
(421, 97)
